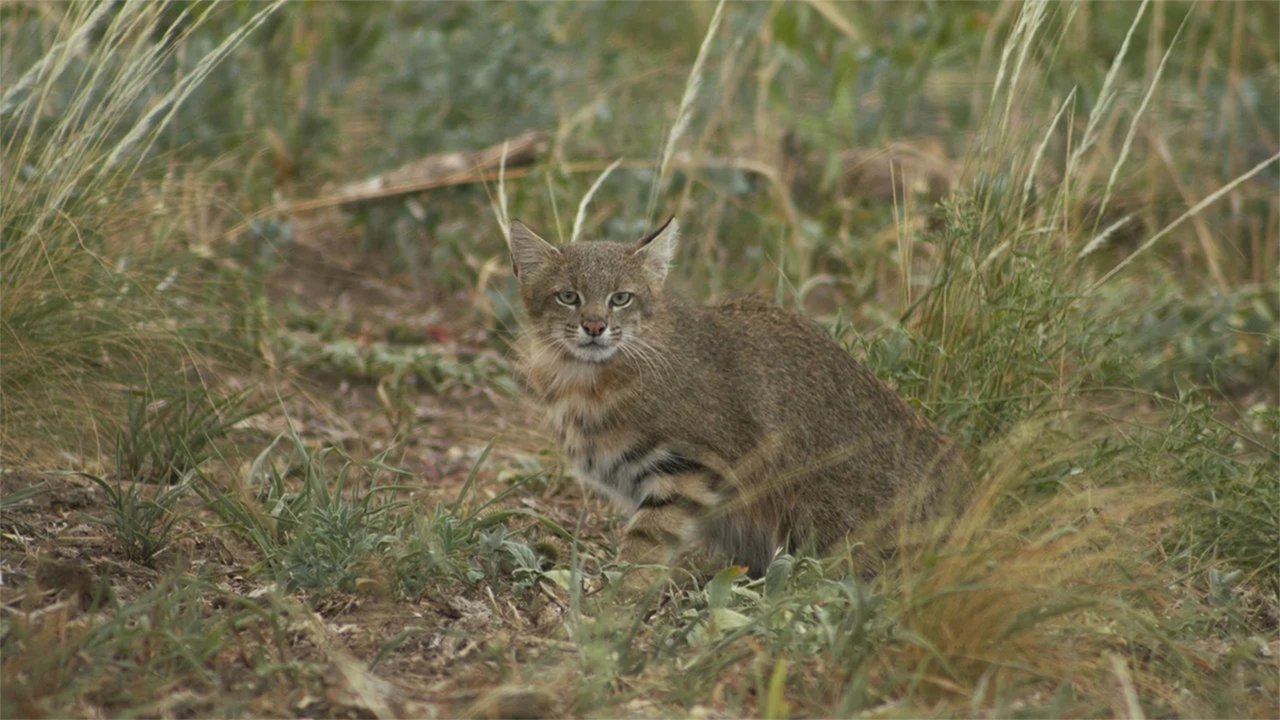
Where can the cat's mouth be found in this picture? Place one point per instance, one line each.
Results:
(594, 350)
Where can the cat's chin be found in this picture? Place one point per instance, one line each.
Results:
(593, 353)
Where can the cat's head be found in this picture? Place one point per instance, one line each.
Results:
(593, 301)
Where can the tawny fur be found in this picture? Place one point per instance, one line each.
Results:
(739, 427)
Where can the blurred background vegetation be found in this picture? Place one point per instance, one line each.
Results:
(988, 202)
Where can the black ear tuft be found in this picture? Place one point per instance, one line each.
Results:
(649, 238)
(657, 250)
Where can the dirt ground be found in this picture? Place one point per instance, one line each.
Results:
(440, 655)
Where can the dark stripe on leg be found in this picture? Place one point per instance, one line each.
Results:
(630, 457)
(687, 504)
(667, 466)
(674, 466)
(639, 452)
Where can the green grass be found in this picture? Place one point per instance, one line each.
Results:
(142, 526)
(165, 438)
(1106, 359)
(101, 288)
(324, 523)
(181, 647)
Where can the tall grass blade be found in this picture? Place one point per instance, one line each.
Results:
(1101, 238)
(499, 205)
(1106, 94)
(154, 122)
(50, 63)
(685, 113)
(1137, 117)
(1195, 210)
(1032, 173)
(468, 485)
(586, 200)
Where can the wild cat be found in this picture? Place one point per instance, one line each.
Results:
(740, 428)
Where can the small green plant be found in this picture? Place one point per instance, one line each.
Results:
(142, 525)
(318, 519)
(396, 364)
(1233, 510)
(326, 523)
(19, 498)
(166, 435)
(338, 534)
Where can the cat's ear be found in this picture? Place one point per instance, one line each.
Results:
(658, 248)
(528, 251)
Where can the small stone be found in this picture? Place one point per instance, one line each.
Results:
(1264, 648)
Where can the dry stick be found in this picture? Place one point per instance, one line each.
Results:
(439, 170)
(469, 177)
(1184, 217)
(520, 150)
(466, 177)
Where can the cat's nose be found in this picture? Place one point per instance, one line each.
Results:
(594, 326)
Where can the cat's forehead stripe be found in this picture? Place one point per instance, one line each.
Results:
(588, 263)
(597, 255)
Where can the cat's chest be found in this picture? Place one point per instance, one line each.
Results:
(605, 452)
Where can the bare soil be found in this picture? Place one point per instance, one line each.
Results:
(441, 655)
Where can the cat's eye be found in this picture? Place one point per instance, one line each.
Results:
(620, 299)
(568, 298)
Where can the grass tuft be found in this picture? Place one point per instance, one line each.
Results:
(83, 282)
(142, 525)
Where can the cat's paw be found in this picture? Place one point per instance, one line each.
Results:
(638, 582)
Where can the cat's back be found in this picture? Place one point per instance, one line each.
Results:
(846, 440)
(791, 374)
(783, 350)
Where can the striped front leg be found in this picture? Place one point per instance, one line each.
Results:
(678, 495)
